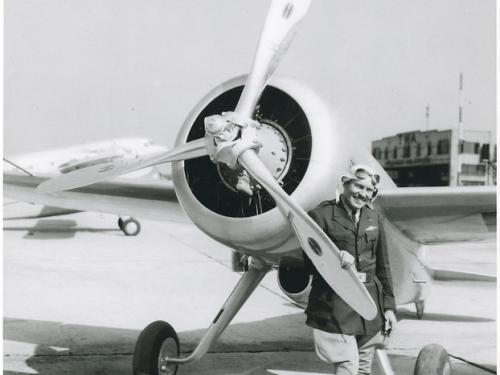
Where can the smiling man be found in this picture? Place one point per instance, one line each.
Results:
(341, 336)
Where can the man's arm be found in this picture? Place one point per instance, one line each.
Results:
(383, 270)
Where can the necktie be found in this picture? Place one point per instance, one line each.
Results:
(355, 216)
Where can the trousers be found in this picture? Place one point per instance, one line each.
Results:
(349, 355)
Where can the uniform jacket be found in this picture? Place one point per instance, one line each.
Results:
(367, 244)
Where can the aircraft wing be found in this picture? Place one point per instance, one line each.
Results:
(145, 198)
(442, 214)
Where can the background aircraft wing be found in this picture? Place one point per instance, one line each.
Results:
(145, 198)
(441, 214)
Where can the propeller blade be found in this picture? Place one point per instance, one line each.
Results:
(319, 248)
(281, 22)
(99, 172)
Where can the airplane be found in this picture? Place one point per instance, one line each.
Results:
(252, 157)
(67, 159)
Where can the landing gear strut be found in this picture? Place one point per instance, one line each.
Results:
(420, 306)
(130, 226)
(157, 348)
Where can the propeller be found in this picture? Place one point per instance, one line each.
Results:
(99, 172)
(279, 28)
(282, 20)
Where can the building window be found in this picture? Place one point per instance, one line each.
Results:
(429, 148)
(395, 153)
(476, 148)
(376, 153)
(406, 151)
(386, 153)
(473, 169)
(443, 147)
(419, 149)
(472, 183)
(469, 147)
(485, 152)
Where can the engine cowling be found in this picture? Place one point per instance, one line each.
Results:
(303, 145)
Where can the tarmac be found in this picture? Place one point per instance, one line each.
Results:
(77, 293)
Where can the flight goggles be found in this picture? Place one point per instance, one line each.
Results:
(360, 172)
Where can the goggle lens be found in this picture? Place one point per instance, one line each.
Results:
(363, 173)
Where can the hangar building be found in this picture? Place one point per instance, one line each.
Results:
(438, 158)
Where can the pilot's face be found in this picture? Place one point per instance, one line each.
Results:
(357, 193)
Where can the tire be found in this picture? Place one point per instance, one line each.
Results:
(131, 227)
(157, 340)
(433, 359)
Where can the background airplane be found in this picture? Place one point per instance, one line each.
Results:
(63, 160)
(257, 227)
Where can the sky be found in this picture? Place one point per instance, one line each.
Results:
(82, 71)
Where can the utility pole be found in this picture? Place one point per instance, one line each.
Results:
(460, 99)
(460, 114)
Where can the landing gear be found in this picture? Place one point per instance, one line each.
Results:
(157, 342)
(420, 306)
(131, 227)
(433, 359)
(157, 349)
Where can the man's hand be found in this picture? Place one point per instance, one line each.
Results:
(346, 259)
(390, 321)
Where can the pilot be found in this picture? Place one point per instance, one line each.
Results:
(341, 336)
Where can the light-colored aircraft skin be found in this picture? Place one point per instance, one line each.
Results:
(268, 235)
(67, 159)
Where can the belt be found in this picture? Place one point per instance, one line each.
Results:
(363, 277)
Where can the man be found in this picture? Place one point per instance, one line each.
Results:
(341, 336)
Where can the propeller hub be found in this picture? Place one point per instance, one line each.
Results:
(275, 153)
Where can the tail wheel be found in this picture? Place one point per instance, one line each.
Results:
(433, 359)
(131, 227)
(155, 343)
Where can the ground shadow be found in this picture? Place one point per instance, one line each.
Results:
(79, 349)
(56, 229)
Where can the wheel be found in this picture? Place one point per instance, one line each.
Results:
(157, 341)
(433, 359)
(120, 223)
(131, 227)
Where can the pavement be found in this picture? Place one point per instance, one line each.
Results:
(77, 293)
